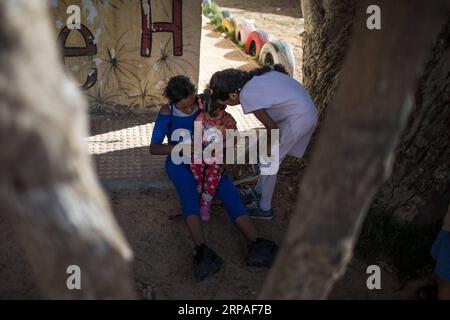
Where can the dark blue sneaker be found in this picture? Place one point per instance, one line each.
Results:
(256, 212)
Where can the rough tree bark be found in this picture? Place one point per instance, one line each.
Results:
(328, 26)
(419, 189)
(47, 184)
(360, 133)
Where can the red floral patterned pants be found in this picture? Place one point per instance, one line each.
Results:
(207, 178)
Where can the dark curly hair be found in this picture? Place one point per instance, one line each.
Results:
(228, 81)
(178, 88)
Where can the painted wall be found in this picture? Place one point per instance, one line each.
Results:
(125, 50)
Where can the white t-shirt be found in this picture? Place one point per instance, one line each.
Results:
(283, 97)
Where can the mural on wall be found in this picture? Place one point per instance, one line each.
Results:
(124, 52)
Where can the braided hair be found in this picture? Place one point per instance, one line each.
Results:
(209, 105)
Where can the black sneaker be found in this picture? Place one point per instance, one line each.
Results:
(262, 253)
(206, 262)
(255, 211)
(249, 195)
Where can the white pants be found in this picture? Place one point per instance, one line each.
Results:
(294, 139)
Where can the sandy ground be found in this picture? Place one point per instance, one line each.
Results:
(163, 268)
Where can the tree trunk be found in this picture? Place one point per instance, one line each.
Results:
(356, 146)
(419, 188)
(47, 184)
(328, 26)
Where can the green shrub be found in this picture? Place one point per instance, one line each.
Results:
(232, 36)
(216, 21)
(211, 11)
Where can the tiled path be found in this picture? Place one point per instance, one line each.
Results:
(120, 146)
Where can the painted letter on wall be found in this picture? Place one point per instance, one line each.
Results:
(149, 27)
(90, 49)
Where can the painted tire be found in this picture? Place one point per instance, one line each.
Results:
(278, 51)
(255, 41)
(229, 25)
(226, 14)
(243, 30)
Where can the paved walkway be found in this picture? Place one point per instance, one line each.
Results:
(120, 145)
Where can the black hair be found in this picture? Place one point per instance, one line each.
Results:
(214, 108)
(210, 106)
(178, 88)
(228, 81)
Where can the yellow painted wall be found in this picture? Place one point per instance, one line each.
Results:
(127, 79)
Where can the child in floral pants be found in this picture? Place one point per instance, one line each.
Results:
(207, 174)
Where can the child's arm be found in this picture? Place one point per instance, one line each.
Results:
(269, 124)
(159, 132)
(265, 119)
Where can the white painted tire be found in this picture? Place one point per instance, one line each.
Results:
(278, 52)
(243, 30)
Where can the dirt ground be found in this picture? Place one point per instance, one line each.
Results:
(281, 19)
(163, 269)
(163, 265)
